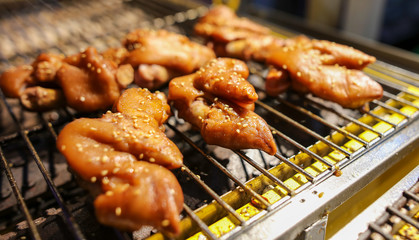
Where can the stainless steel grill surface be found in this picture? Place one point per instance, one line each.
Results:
(326, 153)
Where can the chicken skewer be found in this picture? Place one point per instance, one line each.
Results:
(123, 158)
(219, 102)
(85, 81)
(90, 82)
(35, 85)
(221, 24)
(328, 70)
(160, 55)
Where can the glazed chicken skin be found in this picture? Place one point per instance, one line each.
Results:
(116, 54)
(46, 66)
(277, 81)
(233, 36)
(226, 78)
(126, 156)
(225, 120)
(150, 195)
(92, 83)
(125, 138)
(328, 70)
(85, 81)
(136, 102)
(256, 48)
(221, 24)
(35, 85)
(158, 56)
(14, 81)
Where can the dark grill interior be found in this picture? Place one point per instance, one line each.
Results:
(44, 201)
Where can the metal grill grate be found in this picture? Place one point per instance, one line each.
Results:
(323, 138)
(399, 221)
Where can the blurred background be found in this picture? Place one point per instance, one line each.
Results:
(386, 29)
(392, 22)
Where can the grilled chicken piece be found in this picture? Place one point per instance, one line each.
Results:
(85, 81)
(232, 36)
(46, 66)
(41, 72)
(135, 129)
(342, 55)
(226, 78)
(277, 81)
(164, 55)
(237, 128)
(89, 81)
(222, 118)
(255, 48)
(42, 99)
(14, 80)
(326, 72)
(107, 151)
(149, 195)
(116, 55)
(221, 24)
(153, 76)
(125, 137)
(126, 154)
(136, 102)
(188, 100)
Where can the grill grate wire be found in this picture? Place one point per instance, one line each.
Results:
(185, 17)
(75, 229)
(221, 167)
(399, 221)
(19, 197)
(305, 129)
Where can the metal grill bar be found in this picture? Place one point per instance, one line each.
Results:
(379, 118)
(199, 222)
(69, 219)
(411, 196)
(398, 220)
(398, 99)
(222, 168)
(379, 230)
(346, 117)
(302, 148)
(392, 109)
(33, 230)
(214, 195)
(15, 135)
(295, 167)
(334, 127)
(411, 221)
(396, 72)
(395, 86)
(266, 173)
(49, 127)
(305, 129)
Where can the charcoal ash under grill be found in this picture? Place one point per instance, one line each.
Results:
(52, 222)
(157, 15)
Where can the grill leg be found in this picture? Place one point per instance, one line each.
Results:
(317, 231)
